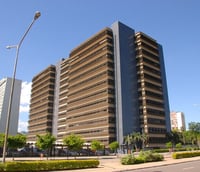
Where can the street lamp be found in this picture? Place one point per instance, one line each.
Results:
(37, 15)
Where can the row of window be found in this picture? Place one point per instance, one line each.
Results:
(90, 56)
(46, 73)
(152, 94)
(156, 121)
(35, 132)
(155, 112)
(153, 130)
(147, 46)
(87, 105)
(152, 85)
(78, 92)
(88, 65)
(148, 61)
(152, 78)
(91, 113)
(142, 37)
(156, 140)
(88, 96)
(152, 121)
(38, 113)
(48, 117)
(151, 70)
(95, 47)
(88, 80)
(106, 32)
(154, 103)
(87, 123)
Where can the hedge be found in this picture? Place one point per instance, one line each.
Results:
(32, 166)
(146, 156)
(178, 155)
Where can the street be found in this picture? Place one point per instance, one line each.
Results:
(182, 167)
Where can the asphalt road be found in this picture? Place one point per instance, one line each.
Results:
(193, 166)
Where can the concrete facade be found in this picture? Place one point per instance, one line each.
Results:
(5, 89)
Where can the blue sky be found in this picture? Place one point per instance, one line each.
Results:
(64, 24)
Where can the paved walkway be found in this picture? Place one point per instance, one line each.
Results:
(113, 164)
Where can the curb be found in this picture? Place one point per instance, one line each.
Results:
(168, 162)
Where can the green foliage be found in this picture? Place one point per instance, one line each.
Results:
(136, 139)
(194, 126)
(16, 141)
(114, 146)
(45, 142)
(169, 145)
(96, 145)
(73, 142)
(174, 136)
(160, 150)
(128, 159)
(31, 166)
(1, 139)
(178, 145)
(146, 156)
(150, 156)
(178, 155)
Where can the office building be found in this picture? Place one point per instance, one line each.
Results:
(111, 85)
(41, 104)
(177, 121)
(5, 90)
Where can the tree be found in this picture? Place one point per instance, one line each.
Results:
(194, 129)
(186, 137)
(198, 140)
(1, 139)
(178, 145)
(136, 139)
(114, 146)
(169, 145)
(96, 145)
(16, 141)
(128, 141)
(73, 142)
(174, 136)
(45, 142)
(194, 126)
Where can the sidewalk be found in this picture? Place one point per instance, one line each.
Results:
(114, 165)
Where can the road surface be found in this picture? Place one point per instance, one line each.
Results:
(193, 166)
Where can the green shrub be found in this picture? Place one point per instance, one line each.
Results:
(169, 145)
(160, 150)
(150, 156)
(31, 166)
(178, 145)
(128, 159)
(146, 156)
(180, 149)
(179, 155)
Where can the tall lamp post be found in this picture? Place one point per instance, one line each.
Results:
(37, 15)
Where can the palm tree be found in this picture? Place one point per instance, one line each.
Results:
(137, 139)
(144, 139)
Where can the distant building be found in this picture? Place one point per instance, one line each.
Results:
(177, 121)
(5, 89)
(111, 85)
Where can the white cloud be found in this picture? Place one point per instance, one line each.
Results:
(25, 96)
(22, 126)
